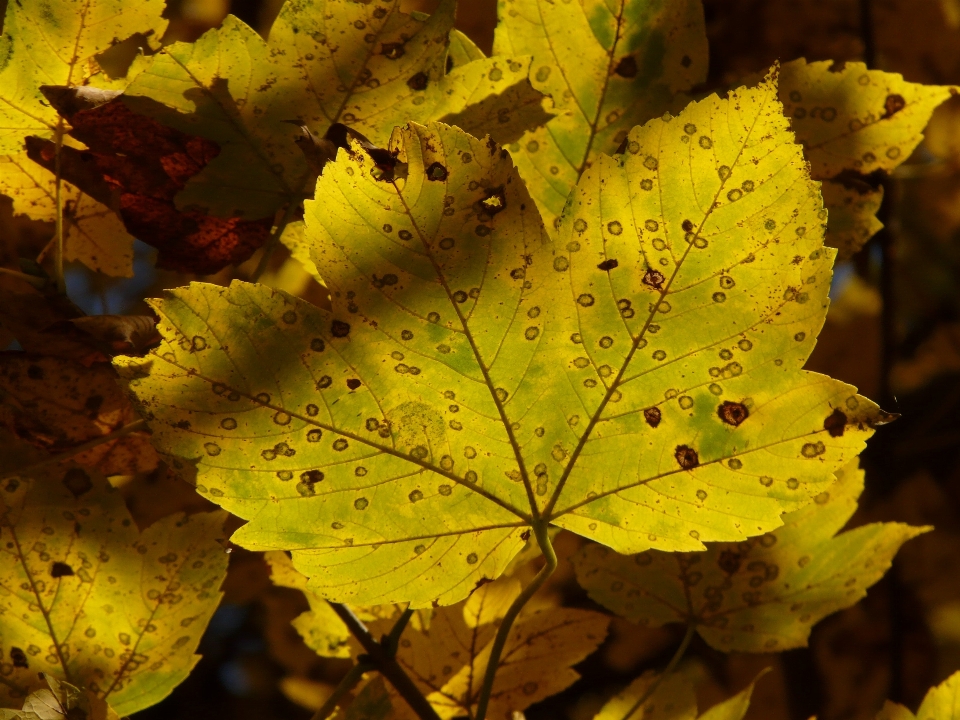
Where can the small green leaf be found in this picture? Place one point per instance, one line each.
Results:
(607, 66)
(762, 595)
(99, 604)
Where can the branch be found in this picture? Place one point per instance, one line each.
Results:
(349, 682)
(380, 658)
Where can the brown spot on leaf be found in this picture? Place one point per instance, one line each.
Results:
(60, 569)
(654, 278)
(835, 423)
(339, 329)
(687, 457)
(732, 413)
(687, 226)
(893, 104)
(686, 61)
(652, 415)
(608, 265)
(494, 201)
(19, 658)
(353, 383)
(392, 51)
(418, 81)
(627, 67)
(436, 172)
(729, 562)
(77, 481)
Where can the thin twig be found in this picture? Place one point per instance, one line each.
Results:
(385, 663)
(348, 683)
(274, 240)
(671, 666)
(83, 447)
(58, 199)
(493, 663)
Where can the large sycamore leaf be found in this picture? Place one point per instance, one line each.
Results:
(674, 698)
(941, 703)
(60, 701)
(56, 44)
(608, 66)
(637, 381)
(761, 595)
(92, 233)
(853, 122)
(58, 406)
(363, 64)
(88, 599)
(447, 659)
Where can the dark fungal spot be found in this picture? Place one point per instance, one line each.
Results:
(459, 296)
(835, 423)
(608, 265)
(652, 415)
(495, 201)
(312, 410)
(318, 345)
(732, 413)
(405, 235)
(60, 569)
(19, 658)
(325, 381)
(436, 172)
(892, 105)
(686, 457)
(687, 226)
(289, 317)
(585, 300)
(419, 81)
(686, 61)
(353, 383)
(627, 67)
(654, 278)
(339, 329)
(340, 444)
(77, 481)
(446, 243)
(311, 477)
(729, 562)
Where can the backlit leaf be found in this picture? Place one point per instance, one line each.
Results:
(45, 44)
(761, 595)
(363, 64)
(447, 660)
(320, 627)
(60, 701)
(941, 703)
(92, 233)
(58, 405)
(90, 600)
(674, 698)
(608, 66)
(638, 380)
(852, 122)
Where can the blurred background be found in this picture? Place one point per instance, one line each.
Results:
(893, 331)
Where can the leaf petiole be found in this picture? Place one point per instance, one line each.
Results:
(671, 666)
(349, 682)
(540, 529)
(274, 240)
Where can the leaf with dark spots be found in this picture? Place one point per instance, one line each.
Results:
(19, 658)
(608, 265)
(419, 81)
(393, 51)
(627, 67)
(835, 423)
(353, 383)
(732, 413)
(687, 226)
(60, 569)
(136, 167)
(77, 481)
(893, 104)
(494, 201)
(687, 457)
(654, 278)
(652, 416)
(339, 329)
(436, 172)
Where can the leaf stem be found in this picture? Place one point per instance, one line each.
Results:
(671, 666)
(83, 447)
(392, 641)
(546, 547)
(385, 663)
(58, 199)
(348, 683)
(274, 240)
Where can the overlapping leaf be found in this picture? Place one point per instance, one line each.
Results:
(853, 122)
(608, 66)
(941, 703)
(88, 599)
(447, 660)
(43, 44)
(761, 595)
(58, 406)
(363, 64)
(60, 700)
(639, 382)
(674, 698)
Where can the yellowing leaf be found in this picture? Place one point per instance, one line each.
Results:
(89, 599)
(673, 698)
(941, 703)
(638, 380)
(60, 701)
(44, 44)
(761, 595)
(92, 233)
(447, 660)
(320, 627)
(608, 66)
(59, 406)
(854, 121)
(363, 64)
